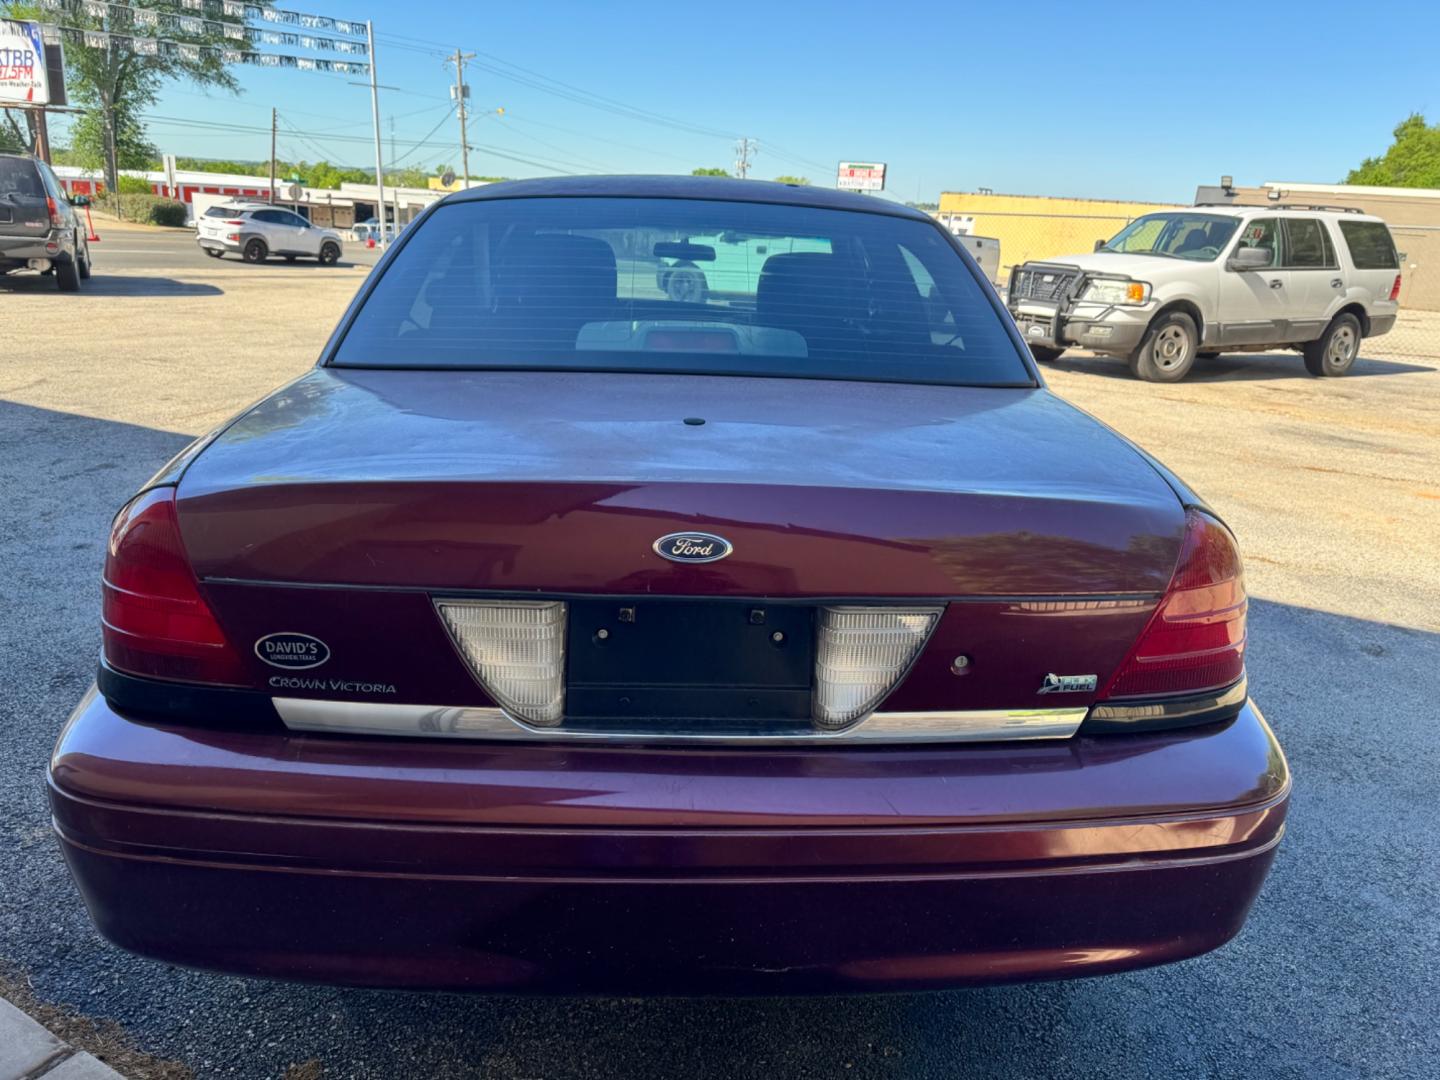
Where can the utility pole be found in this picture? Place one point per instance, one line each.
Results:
(375, 116)
(461, 91)
(743, 149)
(274, 123)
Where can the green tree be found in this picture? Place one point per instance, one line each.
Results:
(14, 136)
(708, 172)
(802, 181)
(1413, 159)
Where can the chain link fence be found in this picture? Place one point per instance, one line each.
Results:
(1025, 237)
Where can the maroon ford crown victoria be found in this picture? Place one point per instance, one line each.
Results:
(570, 629)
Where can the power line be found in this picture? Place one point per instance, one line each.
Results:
(443, 120)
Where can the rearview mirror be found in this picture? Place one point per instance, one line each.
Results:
(79, 200)
(1250, 258)
(1100, 245)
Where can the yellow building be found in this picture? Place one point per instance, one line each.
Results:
(1038, 226)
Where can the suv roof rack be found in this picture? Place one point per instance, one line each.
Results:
(1285, 206)
(1320, 206)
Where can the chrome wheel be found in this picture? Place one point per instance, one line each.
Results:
(1172, 348)
(1341, 350)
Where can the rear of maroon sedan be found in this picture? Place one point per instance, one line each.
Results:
(566, 632)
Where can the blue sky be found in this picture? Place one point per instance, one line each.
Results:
(1118, 100)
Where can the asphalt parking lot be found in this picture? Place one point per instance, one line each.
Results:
(1332, 485)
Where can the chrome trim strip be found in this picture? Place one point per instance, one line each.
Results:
(1160, 713)
(471, 722)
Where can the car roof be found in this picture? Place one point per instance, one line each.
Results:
(725, 189)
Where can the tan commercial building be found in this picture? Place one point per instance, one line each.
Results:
(1038, 226)
(1413, 215)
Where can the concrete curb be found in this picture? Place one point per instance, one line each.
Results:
(28, 1052)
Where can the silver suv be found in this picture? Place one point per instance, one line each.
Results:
(1174, 286)
(255, 231)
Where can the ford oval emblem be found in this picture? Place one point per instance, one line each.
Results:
(693, 547)
(294, 652)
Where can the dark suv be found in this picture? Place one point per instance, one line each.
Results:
(39, 228)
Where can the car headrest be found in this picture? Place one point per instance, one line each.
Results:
(555, 269)
(805, 286)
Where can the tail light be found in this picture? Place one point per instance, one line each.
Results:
(1395, 289)
(155, 622)
(1195, 641)
(517, 652)
(55, 219)
(861, 653)
(236, 222)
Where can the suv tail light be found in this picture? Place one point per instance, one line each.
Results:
(155, 622)
(237, 222)
(55, 219)
(1195, 641)
(1395, 289)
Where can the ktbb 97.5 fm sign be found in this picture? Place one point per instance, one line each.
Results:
(23, 79)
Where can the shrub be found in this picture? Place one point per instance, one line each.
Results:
(134, 185)
(166, 212)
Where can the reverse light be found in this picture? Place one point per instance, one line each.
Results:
(1115, 291)
(154, 620)
(516, 650)
(861, 653)
(1195, 640)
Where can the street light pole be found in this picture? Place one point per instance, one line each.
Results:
(375, 116)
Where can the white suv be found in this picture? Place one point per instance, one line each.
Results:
(256, 231)
(1174, 286)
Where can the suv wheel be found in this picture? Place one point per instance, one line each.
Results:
(1334, 351)
(67, 275)
(255, 251)
(82, 253)
(1168, 351)
(329, 252)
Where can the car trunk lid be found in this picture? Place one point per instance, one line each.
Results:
(348, 504)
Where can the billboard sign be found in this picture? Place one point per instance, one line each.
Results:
(23, 78)
(861, 176)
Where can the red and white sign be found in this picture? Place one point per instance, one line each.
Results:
(861, 176)
(23, 79)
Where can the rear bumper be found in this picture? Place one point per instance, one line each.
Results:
(215, 243)
(20, 249)
(544, 868)
(1380, 324)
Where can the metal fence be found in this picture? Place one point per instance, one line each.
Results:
(1024, 237)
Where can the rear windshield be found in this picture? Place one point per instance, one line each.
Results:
(1370, 245)
(617, 284)
(20, 177)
